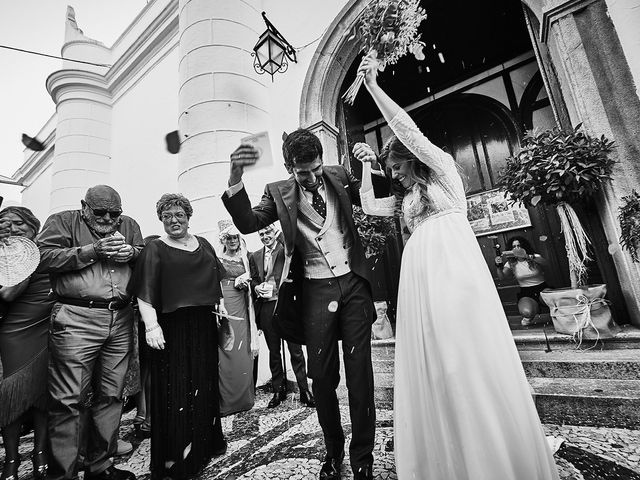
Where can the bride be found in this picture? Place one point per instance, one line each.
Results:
(462, 408)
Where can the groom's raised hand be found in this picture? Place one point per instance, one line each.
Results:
(243, 156)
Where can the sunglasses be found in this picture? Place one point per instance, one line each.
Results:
(101, 212)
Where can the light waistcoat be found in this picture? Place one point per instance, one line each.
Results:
(325, 245)
(270, 279)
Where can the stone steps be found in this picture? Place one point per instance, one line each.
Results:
(534, 339)
(597, 386)
(623, 364)
(588, 402)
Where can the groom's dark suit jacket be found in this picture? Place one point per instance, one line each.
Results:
(280, 202)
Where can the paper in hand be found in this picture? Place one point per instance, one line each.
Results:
(260, 141)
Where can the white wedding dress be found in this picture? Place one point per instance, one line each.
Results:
(462, 405)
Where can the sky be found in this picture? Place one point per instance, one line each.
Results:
(39, 25)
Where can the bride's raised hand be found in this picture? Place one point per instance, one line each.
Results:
(369, 67)
(364, 153)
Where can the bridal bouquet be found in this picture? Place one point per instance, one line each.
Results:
(373, 231)
(389, 30)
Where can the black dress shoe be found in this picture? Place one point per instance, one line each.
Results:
(306, 398)
(277, 398)
(363, 473)
(111, 473)
(331, 467)
(220, 450)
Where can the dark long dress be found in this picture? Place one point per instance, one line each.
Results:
(183, 287)
(24, 331)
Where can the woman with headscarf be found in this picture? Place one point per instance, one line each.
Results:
(237, 384)
(24, 331)
(177, 284)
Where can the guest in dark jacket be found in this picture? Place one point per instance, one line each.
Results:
(266, 271)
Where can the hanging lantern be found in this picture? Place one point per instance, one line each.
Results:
(272, 53)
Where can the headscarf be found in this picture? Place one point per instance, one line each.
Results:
(25, 214)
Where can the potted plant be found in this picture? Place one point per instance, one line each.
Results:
(629, 217)
(560, 169)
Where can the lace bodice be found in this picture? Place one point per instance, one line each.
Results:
(445, 191)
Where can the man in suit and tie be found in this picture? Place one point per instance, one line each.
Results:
(266, 271)
(326, 295)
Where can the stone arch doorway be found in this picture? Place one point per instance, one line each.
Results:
(326, 74)
(333, 67)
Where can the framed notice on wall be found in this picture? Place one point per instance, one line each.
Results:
(490, 212)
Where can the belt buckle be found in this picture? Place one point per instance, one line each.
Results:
(111, 307)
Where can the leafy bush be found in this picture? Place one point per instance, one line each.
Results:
(373, 231)
(629, 218)
(556, 166)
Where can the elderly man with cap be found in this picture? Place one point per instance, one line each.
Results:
(89, 254)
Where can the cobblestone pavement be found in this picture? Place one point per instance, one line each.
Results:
(285, 443)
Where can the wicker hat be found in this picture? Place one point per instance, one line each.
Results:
(19, 258)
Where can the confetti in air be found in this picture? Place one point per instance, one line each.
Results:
(186, 451)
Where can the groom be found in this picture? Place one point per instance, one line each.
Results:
(326, 295)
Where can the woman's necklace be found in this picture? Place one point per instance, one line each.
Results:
(183, 240)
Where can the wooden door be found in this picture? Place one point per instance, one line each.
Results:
(481, 133)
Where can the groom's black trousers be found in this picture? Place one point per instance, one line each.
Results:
(341, 308)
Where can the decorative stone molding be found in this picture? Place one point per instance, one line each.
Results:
(551, 15)
(328, 135)
(162, 30)
(328, 68)
(65, 84)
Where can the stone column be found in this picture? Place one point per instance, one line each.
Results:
(597, 84)
(221, 99)
(83, 110)
(328, 135)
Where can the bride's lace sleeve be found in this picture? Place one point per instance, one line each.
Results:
(381, 207)
(409, 134)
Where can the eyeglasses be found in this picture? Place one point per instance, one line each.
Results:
(101, 212)
(178, 216)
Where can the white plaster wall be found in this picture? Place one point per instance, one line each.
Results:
(36, 197)
(625, 15)
(141, 167)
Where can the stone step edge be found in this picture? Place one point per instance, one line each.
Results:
(631, 355)
(600, 389)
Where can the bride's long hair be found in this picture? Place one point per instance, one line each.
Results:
(420, 173)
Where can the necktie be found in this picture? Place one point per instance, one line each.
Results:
(317, 202)
(268, 266)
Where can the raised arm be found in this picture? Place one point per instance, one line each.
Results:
(236, 200)
(381, 207)
(57, 250)
(401, 124)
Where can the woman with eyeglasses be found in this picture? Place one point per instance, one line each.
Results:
(177, 284)
(24, 330)
(237, 364)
